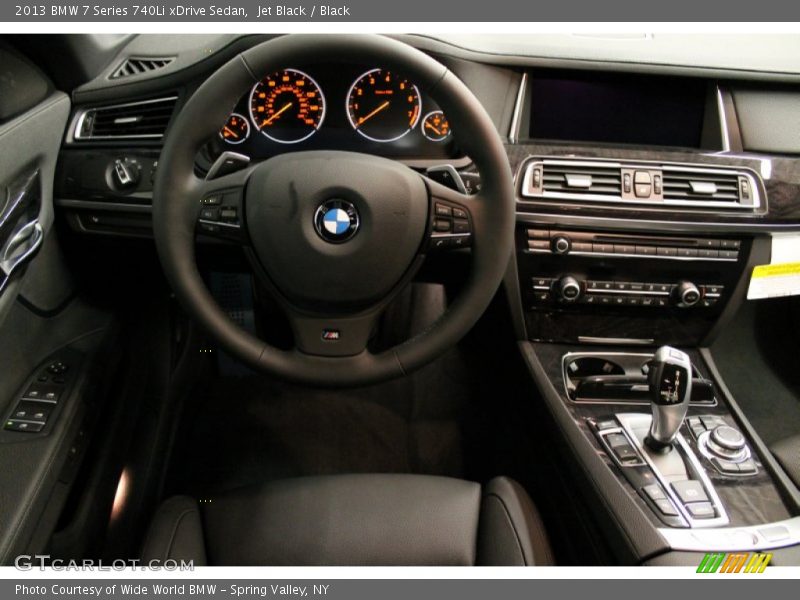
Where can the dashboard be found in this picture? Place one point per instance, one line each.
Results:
(324, 106)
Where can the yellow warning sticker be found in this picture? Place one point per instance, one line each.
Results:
(774, 281)
(776, 270)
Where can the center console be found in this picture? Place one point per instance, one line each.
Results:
(615, 259)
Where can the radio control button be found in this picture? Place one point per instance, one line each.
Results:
(561, 245)
(704, 253)
(534, 233)
(706, 243)
(730, 244)
(687, 252)
(622, 286)
(538, 245)
(582, 247)
(624, 249)
(646, 250)
(636, 287)
(666, 251)
(603, 248)
(729, 254)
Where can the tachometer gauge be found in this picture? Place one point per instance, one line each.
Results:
(236, 129)
(382, 106)
(435, 126)
(287, 106)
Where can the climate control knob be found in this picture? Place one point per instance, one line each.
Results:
(568, 289)
(686, 294)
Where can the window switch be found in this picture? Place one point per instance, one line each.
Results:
(23, 426)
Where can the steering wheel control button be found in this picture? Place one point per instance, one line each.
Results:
(336, 221)
(442, 225)
(690, 491)
(442, 210)
(450, 227)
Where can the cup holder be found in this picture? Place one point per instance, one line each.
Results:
(620, 378)
(588, 366)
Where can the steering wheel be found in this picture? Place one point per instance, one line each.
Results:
(334, 281)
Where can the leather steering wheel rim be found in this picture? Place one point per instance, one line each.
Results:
(176, 189)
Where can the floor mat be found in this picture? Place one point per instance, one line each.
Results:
(251, 429)
(757, 357)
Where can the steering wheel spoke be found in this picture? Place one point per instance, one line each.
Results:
(451, 222)
(220, 207)
(333, 336)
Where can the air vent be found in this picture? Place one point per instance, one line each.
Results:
(140, 65)
(701, 186)
(650, 183)
(582, 179)
(147, 119)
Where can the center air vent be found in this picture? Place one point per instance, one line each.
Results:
(701, 185)
(585, 179)
(140, 65)
(650, 183)
(147, 119)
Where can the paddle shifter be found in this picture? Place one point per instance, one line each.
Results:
(670, 378)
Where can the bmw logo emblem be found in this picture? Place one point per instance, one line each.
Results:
(336, 221)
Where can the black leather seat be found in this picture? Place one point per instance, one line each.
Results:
(354, 520)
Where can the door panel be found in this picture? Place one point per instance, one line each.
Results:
(42, 323)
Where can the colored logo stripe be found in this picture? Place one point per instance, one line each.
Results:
(735, 562)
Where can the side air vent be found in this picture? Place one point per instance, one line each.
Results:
(656, 184)
(147, 119)
(140, 65)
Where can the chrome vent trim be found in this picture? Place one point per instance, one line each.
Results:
(600, 181)
(146, 119)
(139, 65)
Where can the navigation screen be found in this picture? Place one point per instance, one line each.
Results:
(653, 111)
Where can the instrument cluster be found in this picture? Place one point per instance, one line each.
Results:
(341, 107)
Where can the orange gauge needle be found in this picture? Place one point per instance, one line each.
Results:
(373, 113)
(436, 131)
(231, 131)
(277, 114)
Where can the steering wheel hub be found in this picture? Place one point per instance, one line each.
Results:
(336, 220)
(303, 213)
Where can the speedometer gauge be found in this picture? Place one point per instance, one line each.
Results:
(382, 106)
(287, 106)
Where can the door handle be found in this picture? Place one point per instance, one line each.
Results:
(19, 251)
(23, 205)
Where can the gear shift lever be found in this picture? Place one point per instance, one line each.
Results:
(670, 390)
